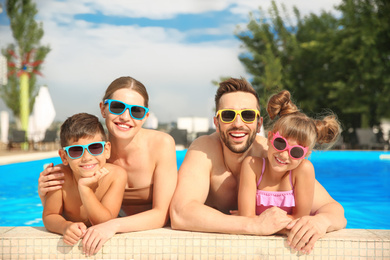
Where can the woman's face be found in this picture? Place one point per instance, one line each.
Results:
(123, 125)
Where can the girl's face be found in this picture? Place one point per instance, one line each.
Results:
(123, 126)
(87, 164)
(281, 161)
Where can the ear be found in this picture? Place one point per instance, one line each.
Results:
(107, 150)
(63, 156)
(259, 124)
(216, 123)
(102, 109)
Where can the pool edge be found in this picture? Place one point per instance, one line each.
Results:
(165, 243)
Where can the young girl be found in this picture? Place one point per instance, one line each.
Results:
(285, 178)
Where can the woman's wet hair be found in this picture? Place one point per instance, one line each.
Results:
(130, 83)
(78, 126)
(290, 122)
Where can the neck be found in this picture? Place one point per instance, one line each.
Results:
(233, 160)
(120, 147)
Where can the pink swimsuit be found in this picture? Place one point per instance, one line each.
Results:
(267, 199)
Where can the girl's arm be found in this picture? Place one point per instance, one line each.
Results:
(248, 187)
(114, 179)
(303, 189)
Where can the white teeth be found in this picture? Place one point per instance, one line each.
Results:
(238, 135)
(280, 160)
(124, 126)
(89, 166)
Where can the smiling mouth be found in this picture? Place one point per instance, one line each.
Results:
(279, 161)
(237, 135)
(88, 166)
(123, 126)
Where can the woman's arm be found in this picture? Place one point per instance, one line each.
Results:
(164, 183)
(50, 179)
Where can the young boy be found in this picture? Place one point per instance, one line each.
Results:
(92, 191)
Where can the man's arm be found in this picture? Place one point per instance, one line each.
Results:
(328, 216)
(189, 212)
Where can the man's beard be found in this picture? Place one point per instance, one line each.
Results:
(241, 148)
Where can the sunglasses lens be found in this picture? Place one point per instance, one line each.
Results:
(75, 151)
(297, 152)
(138, 112)
(228, 115)
(248, 115)
(95, 149)
(117, 107)
(280, 144)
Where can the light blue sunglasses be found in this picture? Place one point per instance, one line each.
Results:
(117, 107)
(76, 151)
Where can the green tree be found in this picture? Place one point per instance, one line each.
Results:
(26, 51)
(326, 62)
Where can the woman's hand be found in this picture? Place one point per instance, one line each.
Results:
(96, 236)
(50, 179)
(304, 232)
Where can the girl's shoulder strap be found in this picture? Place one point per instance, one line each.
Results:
(262, 171)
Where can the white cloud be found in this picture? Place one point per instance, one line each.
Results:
(86, 57)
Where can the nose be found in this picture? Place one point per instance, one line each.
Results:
(86, 156)
(284, 154)
(126, 115)
(238, 121)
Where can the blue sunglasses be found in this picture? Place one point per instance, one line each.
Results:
(117, 107)
(76, 151)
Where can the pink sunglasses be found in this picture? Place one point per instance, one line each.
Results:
(280, 143)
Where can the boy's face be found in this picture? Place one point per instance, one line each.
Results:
(87, 164)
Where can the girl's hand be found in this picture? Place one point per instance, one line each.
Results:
(96, 236)
(304, 232)
(50, 179)
(92, 181)
(74, 232)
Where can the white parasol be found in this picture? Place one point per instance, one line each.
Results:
(42, 115)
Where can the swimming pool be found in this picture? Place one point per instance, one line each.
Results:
(359, 180)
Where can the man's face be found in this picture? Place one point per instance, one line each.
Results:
(238, 136)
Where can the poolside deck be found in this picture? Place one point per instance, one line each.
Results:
(164, 243)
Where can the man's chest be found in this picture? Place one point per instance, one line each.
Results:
(223, 192)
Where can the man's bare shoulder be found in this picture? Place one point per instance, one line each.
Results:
(259, 147)
(207, 143)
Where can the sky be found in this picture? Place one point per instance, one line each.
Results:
(175, 48)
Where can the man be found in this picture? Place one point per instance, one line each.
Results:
(208, 178)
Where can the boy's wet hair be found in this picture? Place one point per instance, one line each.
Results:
(80, 125)
(234, 85)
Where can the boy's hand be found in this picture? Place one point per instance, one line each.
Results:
(50, 179)
(74, 232)
(92, 181)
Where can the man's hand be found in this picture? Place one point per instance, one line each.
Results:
(304, 232)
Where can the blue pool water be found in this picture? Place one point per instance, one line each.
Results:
(359, 180)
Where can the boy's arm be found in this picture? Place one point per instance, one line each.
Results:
(52, 213)
(303, 189)
(99, 211)
(247, 189)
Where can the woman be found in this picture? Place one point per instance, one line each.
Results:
(148, 156)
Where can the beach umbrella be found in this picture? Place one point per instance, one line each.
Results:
(42, 115)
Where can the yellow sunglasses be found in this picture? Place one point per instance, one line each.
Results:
(229, 115)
